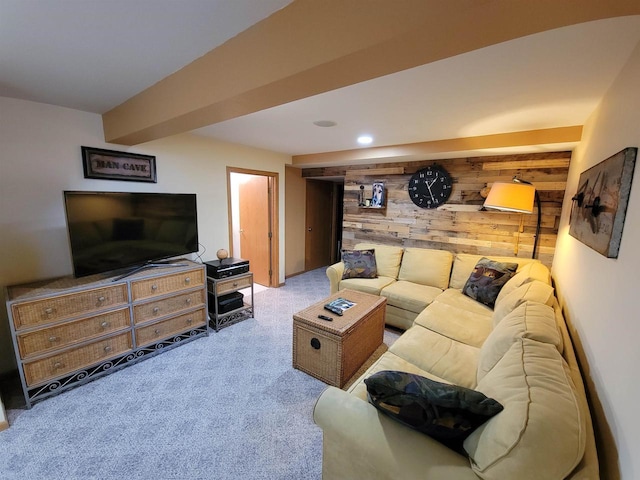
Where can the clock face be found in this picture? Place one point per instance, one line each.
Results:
(430, 187)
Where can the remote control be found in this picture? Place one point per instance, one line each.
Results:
(324, 317)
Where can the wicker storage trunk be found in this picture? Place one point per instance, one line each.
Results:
(333, 351)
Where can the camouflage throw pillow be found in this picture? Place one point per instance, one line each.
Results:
(447, 413)
(487, 279)
(359, 264)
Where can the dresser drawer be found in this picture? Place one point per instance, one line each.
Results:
(53, 338)
(154, 287)
(62, 307)
(165, 329)
(150, 311)
(233, 284)
(85, 356)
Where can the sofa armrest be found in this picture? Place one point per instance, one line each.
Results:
(334, 273)
(360, 442)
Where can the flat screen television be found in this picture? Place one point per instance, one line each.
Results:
(114, 230)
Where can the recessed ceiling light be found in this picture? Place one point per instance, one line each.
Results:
(365, 139)
(325, 123)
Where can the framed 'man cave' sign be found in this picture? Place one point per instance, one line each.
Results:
(112, 165)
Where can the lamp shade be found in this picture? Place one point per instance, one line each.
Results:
(511, 197)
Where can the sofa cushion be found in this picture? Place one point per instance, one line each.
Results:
(366, 285)
(530, 271)
(388, 361)
(359, 264)
(456, 323)
(410, 296)
(456, 298)
(541, 431)
(534, 290)
(426, 266)
(388, 258)
(453, 361)
(464, 263)
(529, 320)
(448, 413)
(487, 279)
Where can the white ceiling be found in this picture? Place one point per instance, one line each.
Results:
(92, 55)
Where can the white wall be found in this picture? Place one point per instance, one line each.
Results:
(41, 157)
(600, 295)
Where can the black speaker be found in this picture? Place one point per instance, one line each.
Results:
(226, 303)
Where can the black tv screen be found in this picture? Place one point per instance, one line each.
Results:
(114, 230)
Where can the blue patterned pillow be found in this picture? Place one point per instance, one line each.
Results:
(359, 264)
(487, 279)
(447, 413)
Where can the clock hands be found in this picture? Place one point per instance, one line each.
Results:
(429, 184)
(429, 188)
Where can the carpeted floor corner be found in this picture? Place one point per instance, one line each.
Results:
(228, 406)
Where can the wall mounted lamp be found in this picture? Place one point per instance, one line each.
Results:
(517, 196)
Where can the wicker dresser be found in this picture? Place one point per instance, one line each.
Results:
(68, 331)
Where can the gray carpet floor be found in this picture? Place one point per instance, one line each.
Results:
(227, 406)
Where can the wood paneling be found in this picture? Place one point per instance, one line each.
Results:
(460, 225)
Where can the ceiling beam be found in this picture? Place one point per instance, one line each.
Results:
(314, 46)
(548, 136)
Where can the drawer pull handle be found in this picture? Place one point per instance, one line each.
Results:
(315, 343)
(189, 321)
(235, 284)
(154, 287)
(48, 311)
(187, 280)
(188, 300)
(101, 299)
(104, 324)
(107, 348)
(58, 365)
(156, 310)
(157, 331)
(53, 338)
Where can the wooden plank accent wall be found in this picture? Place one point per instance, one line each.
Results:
(459, 225)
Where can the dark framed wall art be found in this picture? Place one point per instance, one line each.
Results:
(112, 165)
(600, 205)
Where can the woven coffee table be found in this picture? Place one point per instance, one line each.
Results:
(333, 351)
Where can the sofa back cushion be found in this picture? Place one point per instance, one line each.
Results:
(426, 266)
(541, 431)
(529, 320)
(388, 258)
(528, 272)
(535, 291)
(464, 263)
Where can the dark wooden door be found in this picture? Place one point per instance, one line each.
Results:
(319, 224)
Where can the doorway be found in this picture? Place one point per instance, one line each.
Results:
(253, 222)
(323, 223)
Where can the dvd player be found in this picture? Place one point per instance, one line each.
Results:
(227, 267)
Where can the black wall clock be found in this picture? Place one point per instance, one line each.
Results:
(430, 187)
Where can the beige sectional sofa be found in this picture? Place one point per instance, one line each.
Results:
(518, 353)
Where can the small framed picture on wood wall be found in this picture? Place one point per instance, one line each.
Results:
(377, 196)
